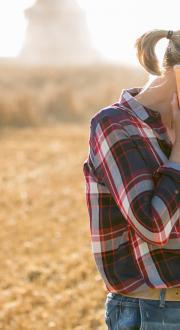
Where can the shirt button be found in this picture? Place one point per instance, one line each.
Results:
(176, 191)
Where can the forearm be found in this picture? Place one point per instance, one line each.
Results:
(175, 153)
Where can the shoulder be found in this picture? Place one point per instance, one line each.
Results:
(112, 116)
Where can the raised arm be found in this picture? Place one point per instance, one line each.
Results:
(151, 209)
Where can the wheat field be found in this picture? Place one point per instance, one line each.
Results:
(36, 96)
(48, 277)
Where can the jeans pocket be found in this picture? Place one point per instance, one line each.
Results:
(112, 312)
(130, 316)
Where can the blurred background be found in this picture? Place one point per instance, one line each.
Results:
(61, 61)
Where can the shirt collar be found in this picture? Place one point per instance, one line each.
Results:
(127, 99)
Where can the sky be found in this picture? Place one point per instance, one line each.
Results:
(12, 26)
(113, 25)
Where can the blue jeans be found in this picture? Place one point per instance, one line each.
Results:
(126, 313)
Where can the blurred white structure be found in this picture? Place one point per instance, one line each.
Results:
(57, 34)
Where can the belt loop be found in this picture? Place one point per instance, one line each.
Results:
(162, 297)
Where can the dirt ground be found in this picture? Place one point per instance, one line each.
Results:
(48, 278)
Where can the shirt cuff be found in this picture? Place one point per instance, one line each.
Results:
(171, 169)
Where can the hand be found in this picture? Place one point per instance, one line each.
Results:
(176, 117)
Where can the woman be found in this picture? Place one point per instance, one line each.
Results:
(132, 176)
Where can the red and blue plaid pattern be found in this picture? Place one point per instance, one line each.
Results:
(133, 200)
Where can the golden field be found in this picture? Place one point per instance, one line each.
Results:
(35, 96)
(48, 277)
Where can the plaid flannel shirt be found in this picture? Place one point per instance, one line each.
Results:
(133, 199)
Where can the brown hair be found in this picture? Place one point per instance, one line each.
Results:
(145, 47)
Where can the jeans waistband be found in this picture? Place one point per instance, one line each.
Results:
(118, 296)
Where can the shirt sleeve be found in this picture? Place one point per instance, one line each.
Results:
(169, 168)
(151, 209)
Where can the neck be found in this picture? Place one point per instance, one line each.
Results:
(157, 94)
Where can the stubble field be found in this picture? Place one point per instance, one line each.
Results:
(48, 278)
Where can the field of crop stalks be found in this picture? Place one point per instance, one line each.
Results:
(48, 277)
(34, 96)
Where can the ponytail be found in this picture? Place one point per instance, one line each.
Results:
(145, 47)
